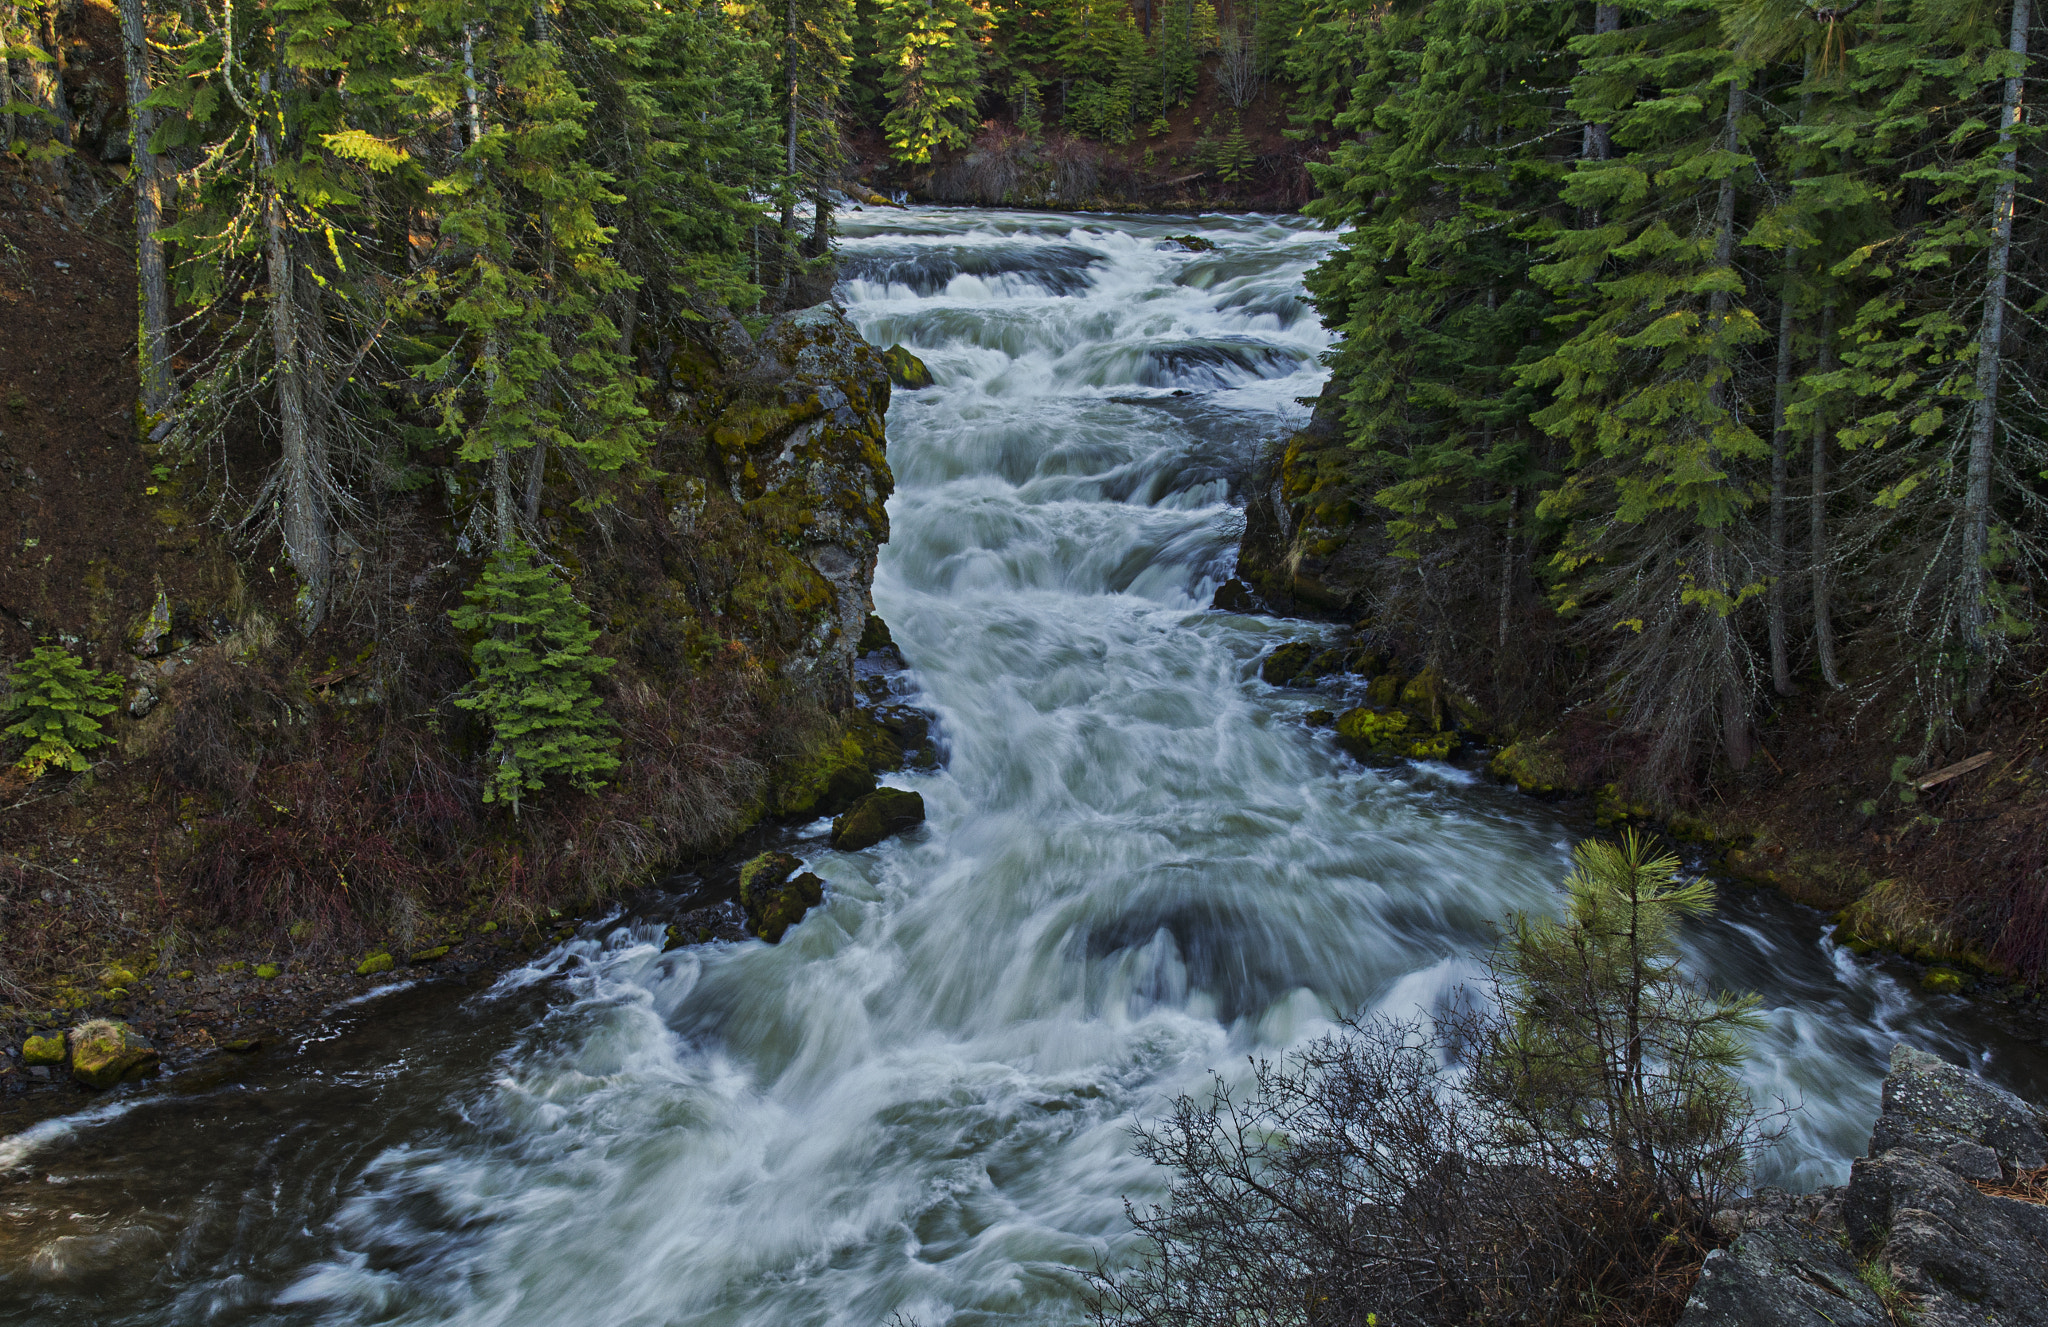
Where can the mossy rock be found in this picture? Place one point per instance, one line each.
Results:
(874, 635)
(1371, 734)
(831, 778)
(374, 964)
(1423, 696)
(268, 971)
(905, 369)
(1944, 981)
(1366, 662)
(104, 1053)
(1191, 243)
(431, 955)
(1325, 664)
(775, 896)
(881, 814)
(113, 977)
(1283, 666)
(43, 1050)
(1385, 691)
(1611, 808)
(1534, 765)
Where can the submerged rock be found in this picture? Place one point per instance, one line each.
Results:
(104, 1053)
(775, 896)
(905, 369)
(1930, 1222)
(882, 813)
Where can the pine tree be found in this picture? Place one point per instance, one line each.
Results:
(1606, 1044)
(57, 703)
(535, 680)
(931, 53)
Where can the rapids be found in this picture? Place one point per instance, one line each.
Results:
(1141, 867)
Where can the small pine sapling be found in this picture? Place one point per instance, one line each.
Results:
(535, 679)
(57, 703)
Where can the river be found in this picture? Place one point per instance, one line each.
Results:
(1141, 866)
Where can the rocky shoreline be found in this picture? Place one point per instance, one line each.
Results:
(1943, 1224)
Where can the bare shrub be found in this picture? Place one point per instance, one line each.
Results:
(1238, 75)
(989, 173)
(228, 720)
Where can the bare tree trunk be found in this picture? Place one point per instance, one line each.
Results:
(1823, 615)
(789, 63)
(1734, 686)
(1781, 654)
(502, 519)
(307, 540)
(1594, 144)
(1507, 578)
(7, 84)
(536, 473)
(50, 75)
(153, 346)
(1990, 342)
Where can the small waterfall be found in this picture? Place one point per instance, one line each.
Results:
(1141, 868)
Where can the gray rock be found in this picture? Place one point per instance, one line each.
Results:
(1912, 1213)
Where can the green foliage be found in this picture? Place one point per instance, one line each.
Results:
(1607, 1047)
(931, 54)
(56, 704)
(535, 680)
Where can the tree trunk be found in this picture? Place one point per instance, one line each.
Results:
(307, 540)
(1595, 144)
(153, 346)
(501, 461)
(536, 473)
(1990, 342)
(7, 84)
(1781, 653)
(1823, 617)
(46, 77)
(789, 62)
(1734, 687)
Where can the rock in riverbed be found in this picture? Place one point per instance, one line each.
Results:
(775, 896)
(881, 813)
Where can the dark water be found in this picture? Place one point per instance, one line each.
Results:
(1140, 866)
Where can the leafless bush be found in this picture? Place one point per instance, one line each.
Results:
(990, 173)
(1359, 1183)
(1238, 75)
(228, 720)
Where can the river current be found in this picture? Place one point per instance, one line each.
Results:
(1141, 867)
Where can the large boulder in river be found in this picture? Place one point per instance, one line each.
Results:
(1944, 1219)
(777, 892)
(905, 369)
(881, 813)
(104, 1053)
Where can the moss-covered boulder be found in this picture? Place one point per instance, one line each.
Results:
(1384, 692)
(777, 892)
(374, 964)
(1284, 664)
(1534, 764)
(104, 1053)
(1371, 734)
(882, 813)
(1944, 981)
(905, 369)
(43, 1050)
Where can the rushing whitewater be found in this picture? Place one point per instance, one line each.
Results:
(1141, 868)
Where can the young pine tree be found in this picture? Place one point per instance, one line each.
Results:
(931, 52)
(535, 680)
(1608, 1052)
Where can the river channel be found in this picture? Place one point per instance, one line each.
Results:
(1141, 866)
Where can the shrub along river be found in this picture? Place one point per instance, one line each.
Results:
(1141, 866)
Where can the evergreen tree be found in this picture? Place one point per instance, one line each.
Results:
(535, 680)
(1606, 1046)
(931, 53)
(56, 704)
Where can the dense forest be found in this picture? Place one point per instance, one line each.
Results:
(1685, 357)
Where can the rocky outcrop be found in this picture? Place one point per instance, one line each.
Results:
(1305, 550)
(1943, 1224)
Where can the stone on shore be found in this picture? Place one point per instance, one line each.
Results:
(775, 896)
(104, 1053)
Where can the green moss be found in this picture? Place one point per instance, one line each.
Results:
(1390, 735)
(374, 964)
(1943, 981)
(43, 1050)
(1611, 808)
(1385, 690)
(1534, 765)
(268, 971)
(1285, 663)
(833, 776)
(429, 955)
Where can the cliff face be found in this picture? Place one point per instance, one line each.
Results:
(295, 803)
